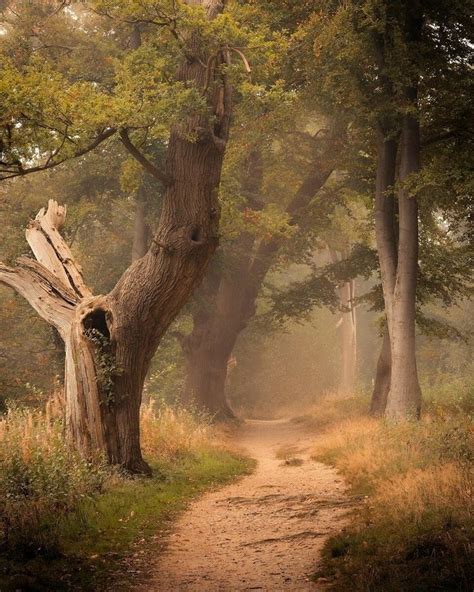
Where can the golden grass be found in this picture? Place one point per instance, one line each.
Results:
(419, 478)
(443, 489)
(43, 479)
(170, 432)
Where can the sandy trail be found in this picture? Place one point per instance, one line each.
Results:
(264, 532)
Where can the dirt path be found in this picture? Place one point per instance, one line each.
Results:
(264, 532)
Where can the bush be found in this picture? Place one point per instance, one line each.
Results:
(41, 478)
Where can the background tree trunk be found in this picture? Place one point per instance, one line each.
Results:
(230, 304)
(221, 315)
(348, 328)
(386, 228)
(404, 399)
(141, 229)
(405, 394)
(382, 378)
(349, 338)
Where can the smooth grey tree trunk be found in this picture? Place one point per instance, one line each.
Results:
(404, 399)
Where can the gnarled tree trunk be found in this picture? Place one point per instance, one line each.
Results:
(110, 339)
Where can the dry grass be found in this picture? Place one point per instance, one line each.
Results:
(43, 479)
(171, 432)
(416, 530)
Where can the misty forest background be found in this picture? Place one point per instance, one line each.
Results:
(335, 140)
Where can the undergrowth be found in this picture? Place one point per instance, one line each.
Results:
(67, 523)
(415, 531)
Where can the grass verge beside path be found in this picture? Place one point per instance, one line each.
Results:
(95, 540)
(67, 525)
(415, 532)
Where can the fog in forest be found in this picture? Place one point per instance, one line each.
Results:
(236, 317)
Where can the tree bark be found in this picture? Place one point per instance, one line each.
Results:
(383, 374)
(386, 238)
(404, 399)
(110, 340)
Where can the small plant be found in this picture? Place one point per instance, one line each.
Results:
(106, 366)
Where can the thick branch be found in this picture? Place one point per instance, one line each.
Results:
(51, 300)
(142, 159)
(51, 250)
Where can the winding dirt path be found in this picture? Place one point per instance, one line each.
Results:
(264, 532)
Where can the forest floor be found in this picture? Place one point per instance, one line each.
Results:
(263, 532)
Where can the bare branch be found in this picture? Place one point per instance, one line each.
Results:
(44, 292)
(51, 250)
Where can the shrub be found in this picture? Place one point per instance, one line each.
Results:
(41, 478)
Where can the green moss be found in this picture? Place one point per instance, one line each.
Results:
(96, 539)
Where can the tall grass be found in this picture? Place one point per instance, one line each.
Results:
(416, 529)
(171, 432)
(43, 479)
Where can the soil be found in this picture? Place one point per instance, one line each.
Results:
(263, 532)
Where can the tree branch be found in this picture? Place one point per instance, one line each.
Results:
(19, 171)
(51, 250)
(44, 292)
(142, 159)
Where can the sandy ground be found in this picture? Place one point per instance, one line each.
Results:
(263, 532)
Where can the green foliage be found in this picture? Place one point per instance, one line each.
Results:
(106, 365)
(41, 479)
